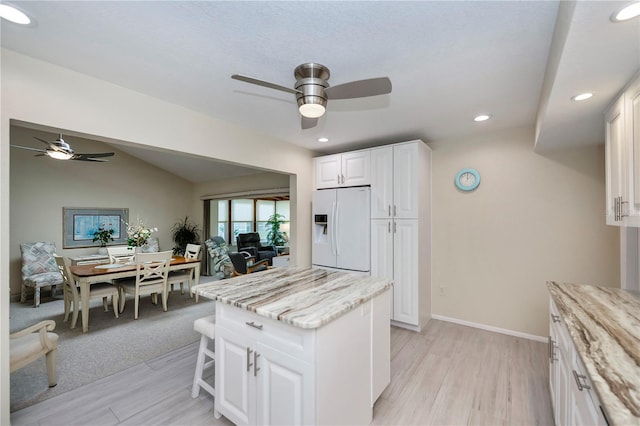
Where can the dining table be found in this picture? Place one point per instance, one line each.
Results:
(85, 275)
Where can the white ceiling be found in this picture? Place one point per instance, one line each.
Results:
(448, 61)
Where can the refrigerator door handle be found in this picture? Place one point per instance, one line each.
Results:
(335, 228)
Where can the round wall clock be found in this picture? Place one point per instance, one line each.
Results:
(467, 179)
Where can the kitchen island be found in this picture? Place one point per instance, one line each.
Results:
(300, 345)
(603, 326)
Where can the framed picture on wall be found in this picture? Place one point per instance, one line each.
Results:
(79, 225)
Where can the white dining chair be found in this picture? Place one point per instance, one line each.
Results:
(206, 326)
(72, 295)
(121, 254)
(152, 271)
(188, 275)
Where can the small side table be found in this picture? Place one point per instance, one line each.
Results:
(281, 261)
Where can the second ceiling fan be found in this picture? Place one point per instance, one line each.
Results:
(312, 90)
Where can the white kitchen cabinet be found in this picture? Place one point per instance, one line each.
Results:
(622, 158)
(342, 170)
(400, 228)
(573, 400)
(394, 181)
(269, 372)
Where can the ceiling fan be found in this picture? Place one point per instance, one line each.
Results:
(60, 150)
(313, 91)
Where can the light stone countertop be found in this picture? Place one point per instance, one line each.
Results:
(604, 324)
(303, 297)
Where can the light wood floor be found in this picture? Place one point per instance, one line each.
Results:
(447, 375)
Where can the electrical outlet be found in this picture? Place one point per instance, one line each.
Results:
(443, 290)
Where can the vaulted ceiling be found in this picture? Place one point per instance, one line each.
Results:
(520, 61)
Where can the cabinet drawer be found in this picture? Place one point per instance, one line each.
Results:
(294, 341)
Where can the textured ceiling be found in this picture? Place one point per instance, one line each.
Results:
(448, 61)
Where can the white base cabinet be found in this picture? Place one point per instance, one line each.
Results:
(573, 399)
(268, 372)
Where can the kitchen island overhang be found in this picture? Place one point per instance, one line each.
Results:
(300, 346)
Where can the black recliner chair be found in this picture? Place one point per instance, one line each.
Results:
(250, 243)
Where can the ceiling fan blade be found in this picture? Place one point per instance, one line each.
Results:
(264, 83)
(102, 154)
(308, 123)
(360, 88)
(27, 148)
(42, 140)
(92, 157)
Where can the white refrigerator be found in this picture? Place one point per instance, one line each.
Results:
(341, 220)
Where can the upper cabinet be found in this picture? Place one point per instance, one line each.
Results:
(622, 152)
(394, 181)
(347, 169)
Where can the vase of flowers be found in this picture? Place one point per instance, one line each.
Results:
(103, 235)
(138, 234)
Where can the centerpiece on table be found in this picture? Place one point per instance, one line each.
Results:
(103, 235)
(138, 234)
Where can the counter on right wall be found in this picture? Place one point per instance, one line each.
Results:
(535, 217)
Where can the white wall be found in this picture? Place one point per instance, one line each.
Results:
(533, 218)
(37, 92)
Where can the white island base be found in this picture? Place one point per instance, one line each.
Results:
(270, 372)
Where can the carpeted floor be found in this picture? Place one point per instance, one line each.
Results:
(111, 344)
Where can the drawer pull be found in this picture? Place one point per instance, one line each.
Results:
(578, 378)
(254, 325)
(555, 318)
(552, 350)
(255, 363)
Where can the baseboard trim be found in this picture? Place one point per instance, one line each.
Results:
(491, 328)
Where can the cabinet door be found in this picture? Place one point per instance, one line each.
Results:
(614, 162)
(553, 369)
(328, 172)
(381, 183)
(356, 168)
(405, 271)
(284, 388)
(632, 136)
(382, 251)
(562, 412)
(235, 387)
(405, 181)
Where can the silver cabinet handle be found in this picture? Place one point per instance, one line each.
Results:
(389, 210)
(552, 350)
(581, 385)
(343, 179)
(395, 211)
(338, 179)
(255, 363)
(254, 325)
(249, 364)
(555, 318)
(395, 227)
(389, 226)
(621, 209)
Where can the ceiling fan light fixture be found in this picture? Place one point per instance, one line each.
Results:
(311, 110)
(582, 97)
(12, 14)
(482, 117)
(630, 11)
(59, 155)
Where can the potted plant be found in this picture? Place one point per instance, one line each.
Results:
(275, 236)
(104, 236)
(184, 232)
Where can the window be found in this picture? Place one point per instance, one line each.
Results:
(264, 210)
(223, 218)
(242, 217)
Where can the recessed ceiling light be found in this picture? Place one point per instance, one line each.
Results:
(323, 140)
(482, 117)
(582, 97)
(14, 15)
(630, 11)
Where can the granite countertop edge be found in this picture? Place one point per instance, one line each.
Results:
(603, 323)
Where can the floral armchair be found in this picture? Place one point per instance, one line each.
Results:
(219, 253)
(39, 269)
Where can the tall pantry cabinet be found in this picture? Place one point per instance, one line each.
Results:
(401, 228)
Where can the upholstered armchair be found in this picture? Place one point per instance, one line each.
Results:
(243, 264)
(39, 269)
(219, 252)
(26, 346)
(250, 243)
